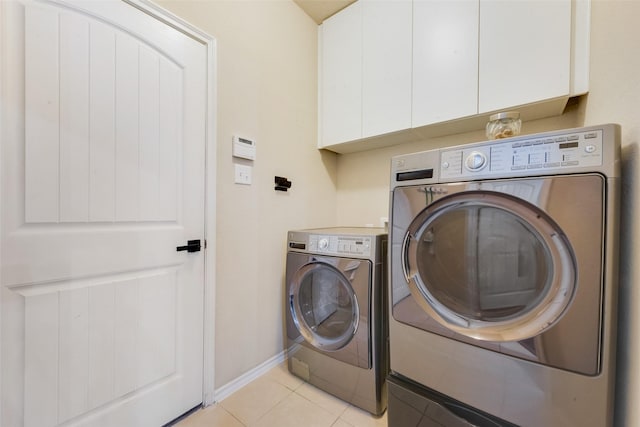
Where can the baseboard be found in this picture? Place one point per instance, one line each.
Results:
(232, 386)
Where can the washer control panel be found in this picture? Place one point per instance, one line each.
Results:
(340, 245)
(498, 157)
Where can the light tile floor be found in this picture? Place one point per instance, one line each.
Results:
(279, 399)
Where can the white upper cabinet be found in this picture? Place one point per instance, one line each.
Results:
(365, 71)
(392, 71)
(445, 60)
(525, 52)
(386, 66)
(340, 95)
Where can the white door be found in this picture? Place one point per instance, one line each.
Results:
(103, 139)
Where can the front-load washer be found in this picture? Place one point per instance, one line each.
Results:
(503, 284)
(335, 302)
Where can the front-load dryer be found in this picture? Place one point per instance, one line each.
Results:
(335, 302)
(503, 281)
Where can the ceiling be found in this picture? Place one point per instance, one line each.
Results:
(319, 10)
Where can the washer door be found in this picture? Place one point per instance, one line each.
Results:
(489, 266)
(324, 306)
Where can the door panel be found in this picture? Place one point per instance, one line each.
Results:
(102, 113)
(73, 54)
(42, 110)
(103, 176)
(90, 78)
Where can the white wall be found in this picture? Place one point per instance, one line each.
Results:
(614, 96)
(267, 77)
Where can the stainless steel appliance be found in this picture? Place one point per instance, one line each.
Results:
(335, 312)
(503, 281)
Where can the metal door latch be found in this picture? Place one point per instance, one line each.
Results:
(192, 246)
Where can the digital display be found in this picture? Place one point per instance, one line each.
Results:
(244, 141)
(568, 145)
(420, 174)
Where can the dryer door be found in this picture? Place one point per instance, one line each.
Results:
(324, 306)
(328, 304)
(514, 266)
(489, 265)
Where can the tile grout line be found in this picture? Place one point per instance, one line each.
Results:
(233, 416)
(320, 407)
(278, 403)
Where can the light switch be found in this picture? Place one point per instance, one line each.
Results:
(243, 174)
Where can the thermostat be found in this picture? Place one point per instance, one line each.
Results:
(244, 148)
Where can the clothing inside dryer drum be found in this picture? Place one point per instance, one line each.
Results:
(483, 262)
(327, 303)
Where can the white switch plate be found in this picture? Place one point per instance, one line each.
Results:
(243, 174)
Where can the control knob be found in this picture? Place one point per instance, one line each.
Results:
(475, 161)
(323, 244)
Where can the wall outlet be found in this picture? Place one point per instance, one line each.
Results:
(243, 174)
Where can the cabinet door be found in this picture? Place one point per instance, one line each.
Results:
(341, 77)
(445, 60)
(386, 66)
(525, 51)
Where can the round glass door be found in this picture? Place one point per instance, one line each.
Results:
(489, 266)
(324, 306)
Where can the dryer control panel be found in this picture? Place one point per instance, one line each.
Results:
(557, 152)
(340, 245)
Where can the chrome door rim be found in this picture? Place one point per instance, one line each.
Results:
(299, 321)
(551, 306)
